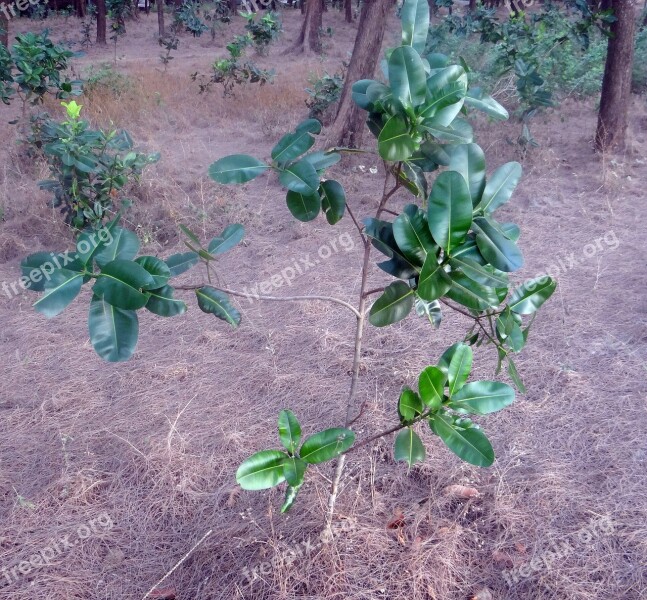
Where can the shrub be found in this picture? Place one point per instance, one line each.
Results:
(188, 16)
(325, 92)
(264, 31)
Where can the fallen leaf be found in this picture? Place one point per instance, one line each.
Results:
(397, 521)
(461, 491)
(503, 558)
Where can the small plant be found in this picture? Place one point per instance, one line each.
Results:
(263, 31)
(38, 12)
(188, 16)
(89, 167)
(325, 92)
(230, 72)
(118, 11)
(105, 79)
(170, 43)
(87, 29)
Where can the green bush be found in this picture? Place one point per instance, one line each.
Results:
(325, 91)
(639, 78)
(264, 31)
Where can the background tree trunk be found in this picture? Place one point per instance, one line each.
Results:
(160, 18)
(616, 85)
(4, 31)
(348, 10)
(309, 38)
(472, 6)
(233, 6)
(348, 128)
(101, 21)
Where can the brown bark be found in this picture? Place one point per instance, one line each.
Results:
(472, 6)
(101, 21)
(348, 10)
(348, 128)
(616, 85)
(233, 5)
(80, 8)
(4, 30)
(160, 18)
(309, 38)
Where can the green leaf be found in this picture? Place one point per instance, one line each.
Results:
(237, 168)
(449, 211)
(217, 303)
(410, 405)
(529, 297)
(394, 142)
(477, 99)
(431, 310)
(124, 246)
(433, 281)
(469, 161)
(162, 303)
(300, 177)
(289, 431)
(459, 132)
(514, 375)
(407, 76)
(309, 126)
(413, 178)
(500, 251)
(326, 445)
(304, 207)
(412, 235)
(121, 282)
(158, 270)
(91, 243)
(322, 160)
(446, 88)
(179, 263)
(192, 236)
(482, 397)
(415, 24)
(431, 385)
(473, 295)
(381, 234)
(409, 447)
(333, 200)
(39, 266)
(294, 469)
(262, 470)
(392, 306)
(62, 287)
(113, 331)
(446, 357)
(483, 274)
(292, 146)
(290, 496)
(459, 368)
(469, 444)
(500, 186)
(232, 235)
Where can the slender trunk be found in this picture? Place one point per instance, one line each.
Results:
(348, 10)
(616, 85)
(310, 38)
(472, 6)
(324, 6)
(101, 22)
(80, 8)
(233, 5)
(160, 17)
(348, 127)
(4, 30)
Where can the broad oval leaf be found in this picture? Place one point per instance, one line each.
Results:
(179, 263)
(459, 132)
(38, 267)
(162, 303)
(410, 405)
(158, 270)
(407, 76)
(90, 243)
(433, 281)
(333, 200)
(326, 444)
(431, 385)
(124, 246)
(262, 470)
(449, 211)
(291, 146)
(121, 282)
(529, 297)
(294, 469)
(499, 250)
(469, 444)
(215, 302)
(482, 397)
(61, 288)
(300, 177)
(469, 161)
(236, 168)
(409, 447)
(412, 235)
(445, 88)
(500, 186)
(321, 160)
(304, 207)
(394, 142)
(113, 331)
(393, 305)
(473, 295)
(483, 274)
(230, 237)
(415, 24)
(477, 99)
(289, 431)
(459, 368)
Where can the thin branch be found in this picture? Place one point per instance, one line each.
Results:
(374, 291)
(356, 222)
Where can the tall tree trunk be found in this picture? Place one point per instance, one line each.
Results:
(348, 10)
(616, 85)
(4, 30)
(472, 6)
(348, 128)
(233, 6)
(101, 21)
(80, 8)
(160, 18)
(309, 38)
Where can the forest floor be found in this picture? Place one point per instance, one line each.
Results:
(132, 463)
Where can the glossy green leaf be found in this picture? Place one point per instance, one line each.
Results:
(483, 274)
(289, 431)
(469, 161)
(500, 186)
(38, 267)
(413, 178)
(333, 200)
(359, 93)
(292, 145)
(446, 88)
(321, 160)
(415, 23)
(294, 469)
(262, 470)
(482, 397)
(162, 303)
(61, 288)
(230, 237)
(326, 445)
(158, 269)
(529, 297)
(290, 496)
(237, 168)
(431, 310)
(514, 375)
(304, 207)
(459, 368)
(459, 132)
(91, 243)
(113, 331)
(469, 444)
(473, 295)
(381, 235)
(477, 99)
(393, 305)
(394, 142)
(412, 235)
(409, 447)
(431, 385)
(410, 405)
(124, 246)
(500, 251)
(300, 177)
(121, 283)
(433, 282)
(449, 211)
(407, 76)
(179, 263)
(188, 233)
(217, 303)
